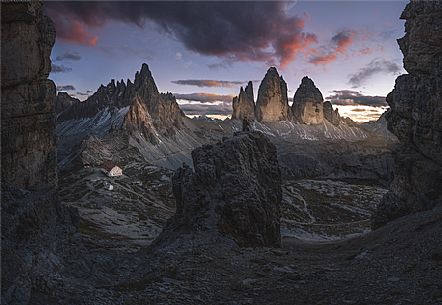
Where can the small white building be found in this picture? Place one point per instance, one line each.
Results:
(111, 169)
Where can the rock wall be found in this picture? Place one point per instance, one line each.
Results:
(28, 118)
(272, 103)
(307, 105)
(235, 191)
(244, 104)
(416, 116)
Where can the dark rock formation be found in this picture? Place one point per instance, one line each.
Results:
(272, 103)
(307, 105)
(331, 115)
(416, 116)
(244, 104)
(63, 101)
(235, 190)
(28, 118)
(161, 107)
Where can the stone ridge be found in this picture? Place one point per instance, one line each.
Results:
(272, 102)
(416, 115)
(235, 192)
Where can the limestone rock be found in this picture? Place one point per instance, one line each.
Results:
(272, 103)
(331, 115)
(244, 104)
(27, 116)
(416, 115)
(235, 191)
(307, 105)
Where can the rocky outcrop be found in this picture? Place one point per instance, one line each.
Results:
(416, 115)
(272, 103)
(244, 104)
(331, 115)
(307, 105)
(28, 118)
(63, 101)
(235, 191)
(161, 107)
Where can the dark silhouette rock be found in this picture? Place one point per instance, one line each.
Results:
(416, 115)
(63, 101)
(244, 104)
(235, 191)
(272, 103)
(307, 105)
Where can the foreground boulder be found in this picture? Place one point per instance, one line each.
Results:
(234, 191)
(416, 116)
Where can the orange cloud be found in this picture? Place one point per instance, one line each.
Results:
(339, 45)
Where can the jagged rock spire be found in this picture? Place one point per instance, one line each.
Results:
(243, 104)
(307, 105)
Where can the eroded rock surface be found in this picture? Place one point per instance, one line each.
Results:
(416, 116)
(272, 103)
(244, 104)
(331, 115)
(307, 105)
(234, 191)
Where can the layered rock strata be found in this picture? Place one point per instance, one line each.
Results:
(416, 116)
(244, 104)
(272, 102)
(307, 105)
(234, 191)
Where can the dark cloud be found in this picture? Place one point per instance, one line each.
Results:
(209, 83)
(204, 97)
(350, 97)
(59, 68)
(376, 66)
(65, 88)
(68, 56)
(257, 31)
(87, 93)
(206, 109)
(338, 45)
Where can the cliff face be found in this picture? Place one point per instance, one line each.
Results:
(28, 118)
(307, 105)
(272, 103)
(63, 101)
(416, 116)
(244, 104)
(234, 191)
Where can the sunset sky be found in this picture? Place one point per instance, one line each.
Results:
(204, 51)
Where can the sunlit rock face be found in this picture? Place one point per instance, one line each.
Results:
(235, 191)
(416, 116)
(244, 104)
(272, 103)
(27, 103)
(307, 105)
(331, 115)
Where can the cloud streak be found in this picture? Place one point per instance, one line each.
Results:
(209, 83)
(376, 66)
(204, 97)
(354, 98)
(339, 44)
(65, 88)
(59, 69)
(236, 31)
(68, 56)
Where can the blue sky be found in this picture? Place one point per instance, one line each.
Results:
(343, 46)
